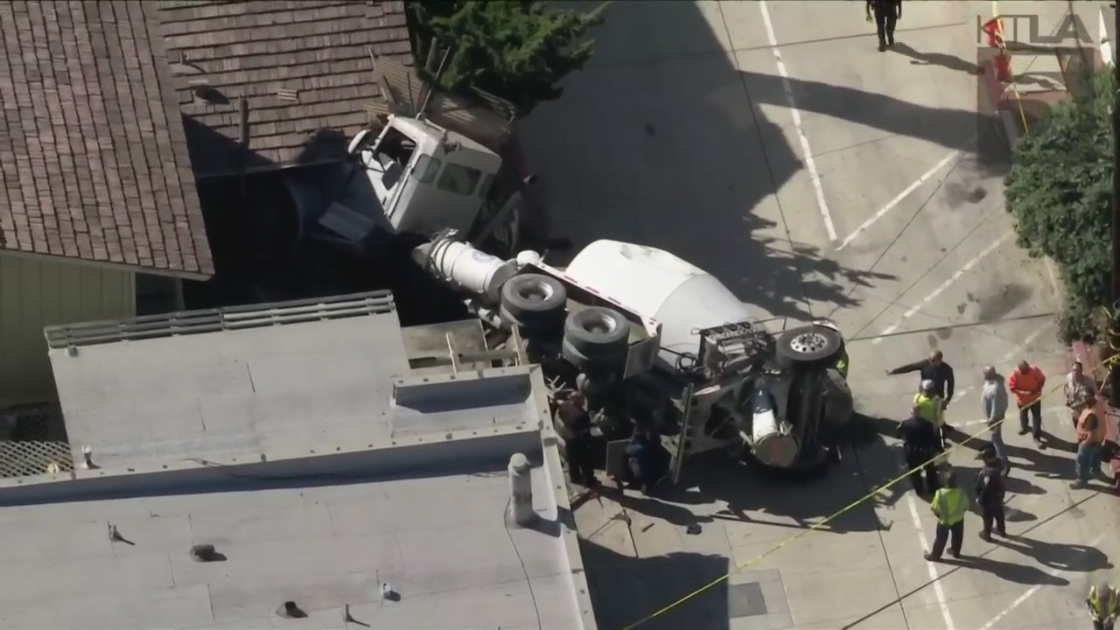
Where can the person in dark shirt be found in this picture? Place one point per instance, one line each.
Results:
(920, 443)
(647, 459)
(574, 427)
(887, 13)
(990, 493)
(933, 369)
(941, 373)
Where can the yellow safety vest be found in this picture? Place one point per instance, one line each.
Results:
(1110, 606)
(949, 504)
(842, 364)
(929, 408)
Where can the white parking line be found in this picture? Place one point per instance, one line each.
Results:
(934, 576)
(810, 163)
(1026, 342)
(898, 199)
(941, 289)
(1032, 590)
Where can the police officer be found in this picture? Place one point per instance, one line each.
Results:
(931, 408)
(1104, 606)
(933, 369)
(990, 493)
(920, 443)
(949, 505)
(887, 12)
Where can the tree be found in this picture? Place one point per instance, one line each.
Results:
(516, 50)
(1060, 193)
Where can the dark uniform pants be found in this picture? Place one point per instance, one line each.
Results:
(1102, 625)
(993, 514)
(884, 24)
(581, 470)
(942, 536)
(917, 463)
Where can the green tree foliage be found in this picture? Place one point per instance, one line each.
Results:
(516, 50)
(1060, 193)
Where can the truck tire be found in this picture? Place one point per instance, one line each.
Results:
(597, 332)
(592, 365)
(838, 403)
(532, 300)
(809, 347)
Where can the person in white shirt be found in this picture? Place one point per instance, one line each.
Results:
(1078, 386)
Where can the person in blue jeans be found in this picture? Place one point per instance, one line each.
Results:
(994, 401)
(1090, 440)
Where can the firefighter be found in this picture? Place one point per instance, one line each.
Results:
(1104, 606)
(949, 505)
(931, 408)
(887, 12)
(920, 443)
(1027, 382)
(1091, 432)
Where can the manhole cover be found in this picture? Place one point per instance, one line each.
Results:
(745, 600)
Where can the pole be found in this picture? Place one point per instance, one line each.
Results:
(1114, 326)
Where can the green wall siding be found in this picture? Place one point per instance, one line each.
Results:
(38, 293)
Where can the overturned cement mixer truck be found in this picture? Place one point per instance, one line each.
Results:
(649, 337)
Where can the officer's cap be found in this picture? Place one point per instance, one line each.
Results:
(927, 385)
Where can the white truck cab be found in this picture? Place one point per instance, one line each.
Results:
(426, 178)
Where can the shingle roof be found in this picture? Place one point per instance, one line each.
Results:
(301, 67)
(92, 150)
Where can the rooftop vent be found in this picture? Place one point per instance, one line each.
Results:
(206, 553)
(289, 610)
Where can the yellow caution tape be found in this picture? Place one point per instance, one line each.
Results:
(832, 517)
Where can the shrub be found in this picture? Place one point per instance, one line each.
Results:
(1060, 193)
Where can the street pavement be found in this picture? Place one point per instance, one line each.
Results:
(772, 144)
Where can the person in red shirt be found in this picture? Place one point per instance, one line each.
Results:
(1026, 383)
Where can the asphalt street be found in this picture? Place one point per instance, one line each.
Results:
(772, 144)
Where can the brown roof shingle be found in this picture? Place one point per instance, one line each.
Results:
(92, 147)
(301, 67)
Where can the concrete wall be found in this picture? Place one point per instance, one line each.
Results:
(38, 292)
(419, 459)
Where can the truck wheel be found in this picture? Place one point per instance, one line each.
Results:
(594, 364)
(596, 332)
(838, 404)
(809, 346)
(533, 299)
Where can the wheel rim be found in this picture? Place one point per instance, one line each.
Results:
(808, 343)
(537, 292)
(600, 325)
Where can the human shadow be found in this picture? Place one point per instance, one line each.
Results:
(659, 142)
(950, 62)
(1059, 557)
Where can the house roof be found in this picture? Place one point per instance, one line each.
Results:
(301, 68)
(92, 148)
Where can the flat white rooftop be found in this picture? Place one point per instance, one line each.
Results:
(441, 542)
(302, 441)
